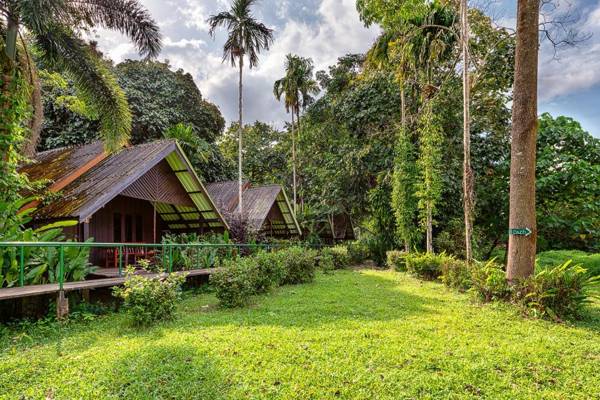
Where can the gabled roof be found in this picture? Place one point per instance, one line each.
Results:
(258, 202)
(113, 174)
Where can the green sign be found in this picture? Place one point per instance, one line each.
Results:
(520, 231)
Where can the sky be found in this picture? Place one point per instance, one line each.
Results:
(569, 81)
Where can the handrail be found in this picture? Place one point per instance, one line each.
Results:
(166, 250)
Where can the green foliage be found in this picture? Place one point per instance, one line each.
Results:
(456, 274)
(384, 224)
(558, 293)
(270, 270)
(378, 248)
(429, 186)
(404, 202)
(427, 265)
(235, 283)
(389, 13)
(265, 152)
(298, 85)
(161, 98)
(339, 255)
(326, 263)
(300, 265)
(358, 251)
(196, 257)
(150, 299)
(396, 259)
(567, 186)
(41, 264)
(205, 157)
(551, 258)
(489, 281)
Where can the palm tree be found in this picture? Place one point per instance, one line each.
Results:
(298, 88)
(247, 37)
(52, 26)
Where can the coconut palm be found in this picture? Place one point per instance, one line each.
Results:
(297, 88)
(53, 27)
(246, 37)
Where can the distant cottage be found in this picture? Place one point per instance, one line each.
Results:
(266, 208)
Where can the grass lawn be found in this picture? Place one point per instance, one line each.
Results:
(591, 261)
(351, 335)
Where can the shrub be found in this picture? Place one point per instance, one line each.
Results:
(270, 271)
(426, 265)
(339, 255)
(300, 264)
(456, 274)
(559, 293)
(552, 258)
(377, 249)
(150, 299)
(326, 262)
(395, 260)
(236, 282)
(489, 281)
(358, 251)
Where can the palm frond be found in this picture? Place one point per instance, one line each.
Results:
(126, 16)
(94, 81)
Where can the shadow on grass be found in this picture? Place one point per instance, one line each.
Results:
(158, 371)
(343, 296)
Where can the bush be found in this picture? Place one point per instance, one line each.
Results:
(358, 251)
(150, 299)
(377, 249)
(489, 281)
(427, 265)
(236, 282)
(339, 255)
(456, 274)
(300, 264)
(270, 271)
(326, 262)
(559, 293)
(395, 260)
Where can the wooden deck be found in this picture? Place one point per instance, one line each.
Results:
(37, 290)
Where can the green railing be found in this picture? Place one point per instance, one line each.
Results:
(163, 254)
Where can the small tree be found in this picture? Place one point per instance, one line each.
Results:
(429, 188)
(404, 202)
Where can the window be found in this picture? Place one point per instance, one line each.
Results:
(128, 229)
(117, 238)
(139, 229)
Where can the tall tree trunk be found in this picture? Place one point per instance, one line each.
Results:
(468, 184)
(294, 161)
(521, 249)
(299, 178)
(241, 129)
(429, 229)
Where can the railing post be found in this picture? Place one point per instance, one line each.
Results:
(61, 267)
(22, 266)
(170, 259)
(120, 250)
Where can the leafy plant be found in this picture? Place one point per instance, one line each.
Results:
(270, 270)
(427, 265)
(236, 282)
(395, 259)
(339, 256)
(489, 281)
(456, 274)
(300, 264)
(358, 251)
(150, 299)
(558, 293)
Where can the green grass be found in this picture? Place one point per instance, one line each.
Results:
(351, 335)
(552, 258)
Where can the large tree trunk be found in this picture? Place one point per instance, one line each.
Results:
(468, 184)
(521, 249)
(240, 208)
(294, 162)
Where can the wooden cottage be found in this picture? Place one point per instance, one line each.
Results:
(336, 228)
(266, 207)
(135, 195)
